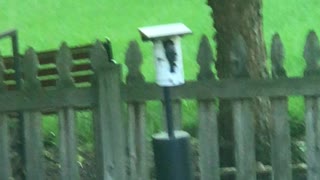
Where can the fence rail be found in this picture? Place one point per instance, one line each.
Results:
(127, 155)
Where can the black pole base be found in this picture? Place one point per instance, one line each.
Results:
(172, 156)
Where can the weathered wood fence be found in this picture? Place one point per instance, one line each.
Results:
(121, 148)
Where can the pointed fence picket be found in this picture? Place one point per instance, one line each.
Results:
(137, 139)
(32, 119)
(279, 125)
(207, 113)
(66, 116)
(312, 57)
(122, 148)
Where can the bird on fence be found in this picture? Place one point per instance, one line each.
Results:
(170, 53)
(107, 45)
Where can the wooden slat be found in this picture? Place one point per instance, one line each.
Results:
(142, 146)
(103, 136)
(68, 140)
(52, 82)
(108, 82)
(133, 157)
(205, 59)
(33, 143)
(68, 145)
(208, 126)
(53, 71)
(311, 54)
(46, 100)
(211, 89)
(138, 153)
(33, 146)
(208, 141)
(5, 168)
(133, 62)
(48, 57)
(280, 129)
(280, 140)
(244, 140)
(313, 137)
(78, 79)
(103, 149)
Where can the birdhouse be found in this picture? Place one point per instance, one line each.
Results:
(167, 51)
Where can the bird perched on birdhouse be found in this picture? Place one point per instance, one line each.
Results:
(170, 52)
(167, 52)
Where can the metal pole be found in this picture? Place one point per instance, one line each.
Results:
(16, 59)
(169, 118)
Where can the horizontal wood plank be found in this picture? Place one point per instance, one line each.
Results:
(140, 92)
(47, 100)
(243, 88)
(52, 71)
(49, 57)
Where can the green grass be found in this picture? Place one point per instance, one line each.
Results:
(45, 24)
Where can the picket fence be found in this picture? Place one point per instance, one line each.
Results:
(121, 146)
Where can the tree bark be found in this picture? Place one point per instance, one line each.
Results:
(233, 17)
(244, 17)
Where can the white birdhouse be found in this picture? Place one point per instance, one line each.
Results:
(167, 52)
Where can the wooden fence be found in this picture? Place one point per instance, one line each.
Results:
(121, 148)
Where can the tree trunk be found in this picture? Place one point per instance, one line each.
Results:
(233, 17)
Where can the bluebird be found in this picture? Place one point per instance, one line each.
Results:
(170, 53)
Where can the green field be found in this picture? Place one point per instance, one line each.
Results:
(45, 24)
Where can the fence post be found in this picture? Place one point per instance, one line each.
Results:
(32, 120)
(312, 106)
(109, 126)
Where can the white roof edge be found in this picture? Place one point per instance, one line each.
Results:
(165, 30)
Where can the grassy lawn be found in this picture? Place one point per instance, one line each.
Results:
(45, 24)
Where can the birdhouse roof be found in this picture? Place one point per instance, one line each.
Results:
(163, 31)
